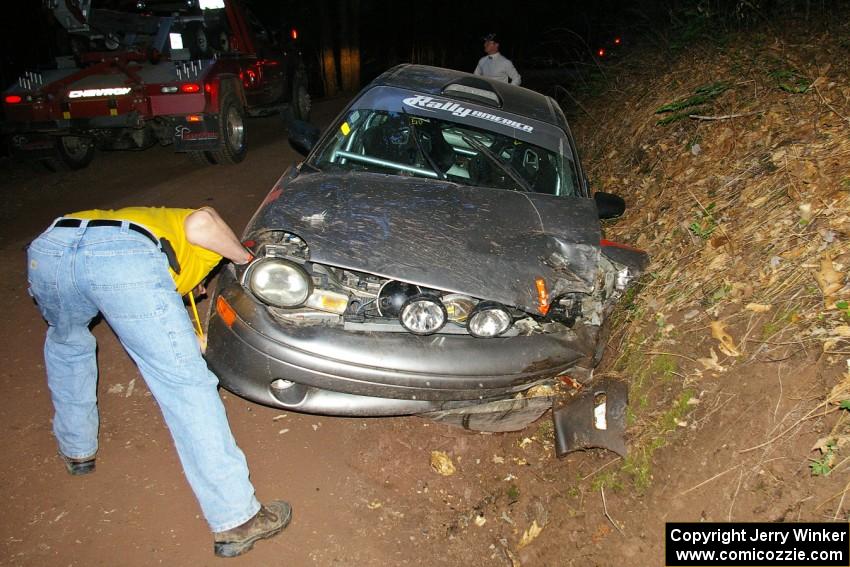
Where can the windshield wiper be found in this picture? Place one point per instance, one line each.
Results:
(510, 171)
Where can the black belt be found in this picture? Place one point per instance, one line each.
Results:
(74, 223)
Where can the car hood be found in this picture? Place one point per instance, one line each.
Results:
(487, 243)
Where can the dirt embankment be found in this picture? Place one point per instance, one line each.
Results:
(733, 159)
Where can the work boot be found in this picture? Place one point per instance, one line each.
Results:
(77, 467)
(268, 522)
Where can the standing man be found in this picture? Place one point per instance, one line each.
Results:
(495, 65)
(133, 265)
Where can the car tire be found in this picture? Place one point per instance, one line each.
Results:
(74, 152)
(232, 130)
(301, 103)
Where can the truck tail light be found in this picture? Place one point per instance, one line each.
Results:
(190, 88)
(13, 99)
(194, 118)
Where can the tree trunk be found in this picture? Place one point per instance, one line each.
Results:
(329, 72)
(349, 48)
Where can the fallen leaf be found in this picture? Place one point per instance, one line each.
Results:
(480, 520)
(442, 463)
(539, 391)
(711, 363)
(374, 505)
(498, 460)
(757, 307)
(842, 331)
(828, 444)
(525, 442)
(529, 535)
(829, 280)
(727, 343)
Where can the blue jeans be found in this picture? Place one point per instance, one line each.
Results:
(74, 273)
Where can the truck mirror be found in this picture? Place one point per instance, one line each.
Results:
(303, 136)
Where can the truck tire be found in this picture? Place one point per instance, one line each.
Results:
(301, 103)
(74, 152)
(232, 130)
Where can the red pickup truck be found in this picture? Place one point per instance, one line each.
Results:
(185, 74)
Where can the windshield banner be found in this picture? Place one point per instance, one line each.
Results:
(430, 103)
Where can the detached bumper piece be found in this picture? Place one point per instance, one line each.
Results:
(593, 418)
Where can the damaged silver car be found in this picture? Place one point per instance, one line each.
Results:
(438, 252)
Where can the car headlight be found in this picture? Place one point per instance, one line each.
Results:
(488, 320)
(458, 307)
(423, 315)
(280, 283)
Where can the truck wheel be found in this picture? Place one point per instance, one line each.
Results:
(232, 131)
(75, 152)
(301, 103)
(202, 158)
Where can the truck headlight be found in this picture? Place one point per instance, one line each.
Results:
(423, 315)
(279, 282)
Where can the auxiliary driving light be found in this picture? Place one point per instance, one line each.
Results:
(489, 320)
(280, 283)
(423, 314)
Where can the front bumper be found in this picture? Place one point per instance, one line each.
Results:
(337, 372)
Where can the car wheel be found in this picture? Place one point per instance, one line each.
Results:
(75, 152)
(301, 103)
(232, 131)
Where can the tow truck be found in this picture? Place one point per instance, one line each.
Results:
(142, 73)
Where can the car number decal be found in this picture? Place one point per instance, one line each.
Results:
(432, 104)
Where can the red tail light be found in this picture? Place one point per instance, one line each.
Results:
(190, 88)
(617, 41)
(293, 33)
(13, 99)
(601, 52)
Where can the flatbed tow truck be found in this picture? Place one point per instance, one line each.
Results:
(185, 74)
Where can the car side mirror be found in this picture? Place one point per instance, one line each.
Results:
(303, 136)
(608, 205)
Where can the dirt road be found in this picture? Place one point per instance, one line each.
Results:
(137, 509)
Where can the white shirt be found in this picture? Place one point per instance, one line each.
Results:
(498, 67)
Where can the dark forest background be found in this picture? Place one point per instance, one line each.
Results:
(348, 42)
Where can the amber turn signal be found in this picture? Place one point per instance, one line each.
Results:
(225, 311)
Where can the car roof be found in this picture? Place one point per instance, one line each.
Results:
(513, 99)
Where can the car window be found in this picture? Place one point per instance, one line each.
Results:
(401, 143)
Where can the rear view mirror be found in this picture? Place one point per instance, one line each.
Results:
(608, 205)
(303, 136)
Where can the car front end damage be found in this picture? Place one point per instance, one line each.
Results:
(355, 307)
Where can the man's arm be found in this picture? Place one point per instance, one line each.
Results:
(513, 75)
(205, 228)
(479, 70)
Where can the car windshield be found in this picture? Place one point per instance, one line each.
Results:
(400, 143)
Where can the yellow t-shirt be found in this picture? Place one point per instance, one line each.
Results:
(195, 262)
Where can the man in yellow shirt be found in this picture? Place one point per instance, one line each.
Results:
(132, 265)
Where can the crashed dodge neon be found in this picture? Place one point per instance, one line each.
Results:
(437, 253)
